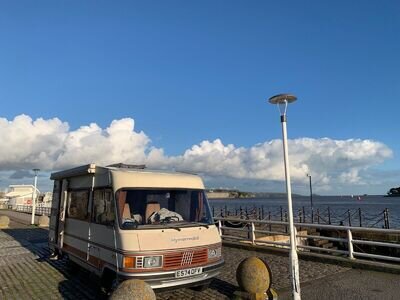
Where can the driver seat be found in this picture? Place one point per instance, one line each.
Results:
(151, 208)
(126, 214)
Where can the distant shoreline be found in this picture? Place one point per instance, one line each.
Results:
(283, 195)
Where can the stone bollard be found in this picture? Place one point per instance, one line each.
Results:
(254, 279)
(133, 289)
(44, 221)
(4, 221)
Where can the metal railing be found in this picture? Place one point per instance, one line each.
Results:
(39, 210)
(345, 240)
(350, 217)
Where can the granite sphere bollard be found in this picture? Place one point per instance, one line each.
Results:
(44, 221)
(253, 276)
(133, 289)
(4, 221)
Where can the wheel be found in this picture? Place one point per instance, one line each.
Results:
(73, 267)
(109, 281)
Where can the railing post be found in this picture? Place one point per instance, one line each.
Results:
(213, 210)
(348, 213)
(286, 220)
(269, 218)
(253, 234)
(262, 211)
(350, 243)
(219, 228)
(387, 218)
(329, 216)
(281, 214)
(359, 216)
(318, 214)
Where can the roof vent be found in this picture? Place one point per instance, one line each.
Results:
(127, 166)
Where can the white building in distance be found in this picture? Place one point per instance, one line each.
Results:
(21, 195)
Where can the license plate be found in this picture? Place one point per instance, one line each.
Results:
(188, 272)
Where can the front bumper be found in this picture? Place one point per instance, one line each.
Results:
(161, 280)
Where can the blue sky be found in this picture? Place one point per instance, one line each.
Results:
(190, 71)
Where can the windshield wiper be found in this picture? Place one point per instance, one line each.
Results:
(171, 227)
(167, 221)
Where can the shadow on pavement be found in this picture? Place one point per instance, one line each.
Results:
(223, 287)
(76, 283)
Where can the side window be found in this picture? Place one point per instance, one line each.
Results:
(103, 208)
(78, 204)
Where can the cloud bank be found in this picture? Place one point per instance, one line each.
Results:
(52, 145)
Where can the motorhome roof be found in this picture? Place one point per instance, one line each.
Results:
(91, 169)
(129, 177)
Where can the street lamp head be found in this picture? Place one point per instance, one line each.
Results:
(282, 100)
(36, 170)
(277, 99)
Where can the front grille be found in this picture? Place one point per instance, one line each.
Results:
(139, 262)
(185, 258)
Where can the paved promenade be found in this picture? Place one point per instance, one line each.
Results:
(26, 273)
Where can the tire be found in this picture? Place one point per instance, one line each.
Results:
(73, 267)
(109, 281)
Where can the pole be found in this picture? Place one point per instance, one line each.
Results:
(34, 198)
(348, 213)
(294, 261)
(311, 200)
(329, 216)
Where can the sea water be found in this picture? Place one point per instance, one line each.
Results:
(370, 207)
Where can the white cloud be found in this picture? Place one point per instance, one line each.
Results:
(51, 144)
(326, 159)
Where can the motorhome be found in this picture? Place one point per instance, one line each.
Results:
(127, 222)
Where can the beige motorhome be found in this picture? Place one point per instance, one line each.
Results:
(122, 222)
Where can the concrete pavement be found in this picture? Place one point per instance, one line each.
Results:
(351, 284)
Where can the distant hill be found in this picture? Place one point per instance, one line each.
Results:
(394, 192)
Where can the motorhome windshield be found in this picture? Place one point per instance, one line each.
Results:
(162, 208)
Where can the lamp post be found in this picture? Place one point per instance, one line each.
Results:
(282, 100)
(34, 196)
(312, 207)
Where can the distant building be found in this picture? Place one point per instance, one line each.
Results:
(45, 199)
(20, 195)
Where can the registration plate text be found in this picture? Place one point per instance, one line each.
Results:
(188, 272)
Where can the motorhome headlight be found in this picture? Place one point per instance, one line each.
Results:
(152, 261)
(214, 253)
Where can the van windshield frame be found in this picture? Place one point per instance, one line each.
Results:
(161, 208)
